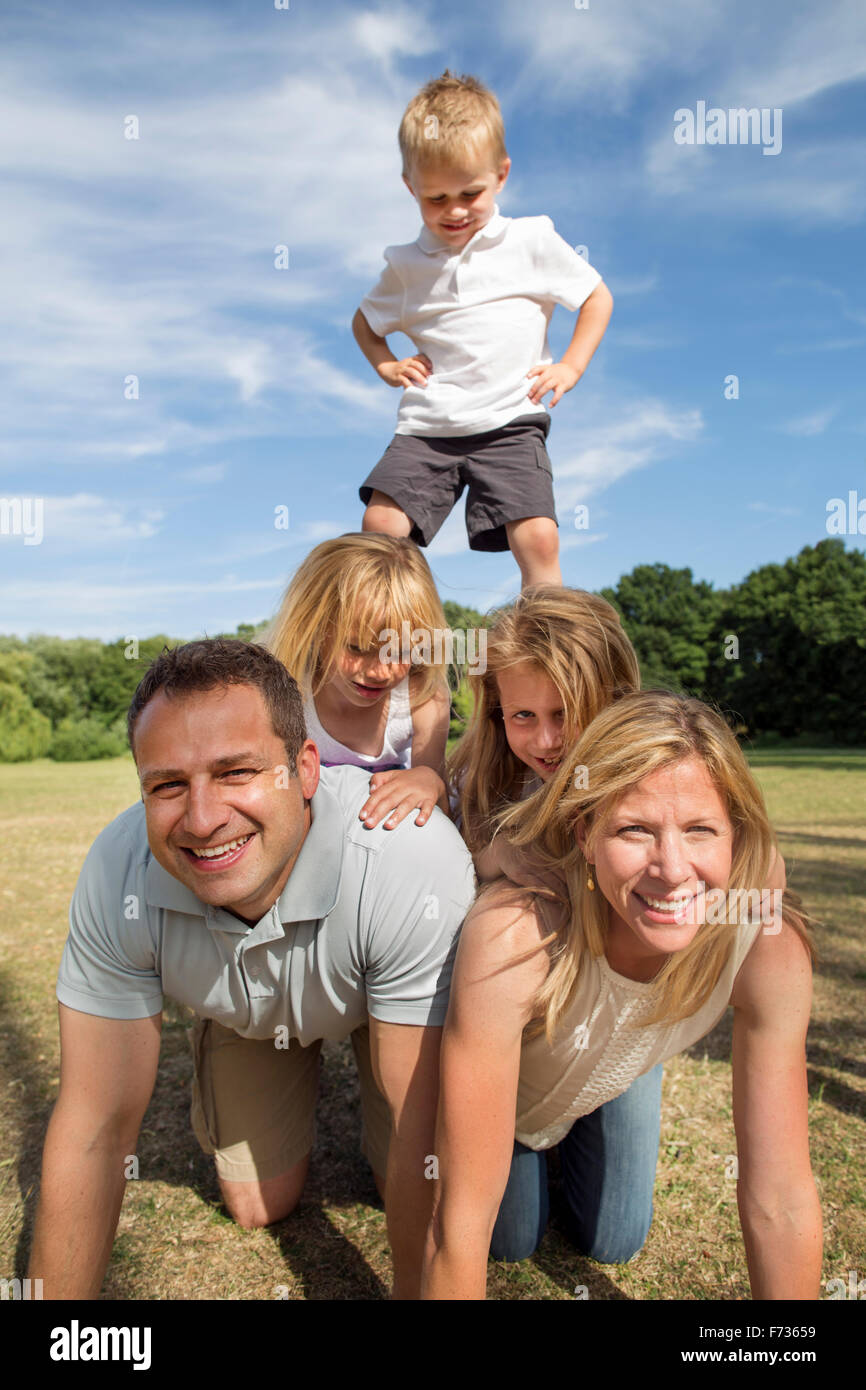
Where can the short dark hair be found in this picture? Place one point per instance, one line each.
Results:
(223, 661)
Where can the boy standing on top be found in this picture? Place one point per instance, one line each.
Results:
(475, 293)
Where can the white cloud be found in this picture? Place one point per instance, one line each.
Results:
(623, 286)
(85, 521)
(809, 425)
(206, 473)
(451, 538)
(772, 509)
(620, 445)
(386, 34)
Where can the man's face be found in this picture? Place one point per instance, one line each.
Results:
(223, 815)
(456, 202)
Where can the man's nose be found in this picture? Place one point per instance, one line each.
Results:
(205, 810)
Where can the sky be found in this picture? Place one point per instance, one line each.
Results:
(168, 391)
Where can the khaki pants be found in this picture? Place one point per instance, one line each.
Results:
(254, 1104)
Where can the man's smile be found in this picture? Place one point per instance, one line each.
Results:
(217, 856)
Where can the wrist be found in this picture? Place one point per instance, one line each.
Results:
(577, 368)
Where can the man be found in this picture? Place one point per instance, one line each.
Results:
(246, 887)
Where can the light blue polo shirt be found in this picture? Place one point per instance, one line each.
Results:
(366, 925)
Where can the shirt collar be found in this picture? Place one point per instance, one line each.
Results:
(311, 891)
(491, 231)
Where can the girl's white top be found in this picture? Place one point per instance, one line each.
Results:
(600, 1045)
(396, 748)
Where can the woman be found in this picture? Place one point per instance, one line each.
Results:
(614, 954)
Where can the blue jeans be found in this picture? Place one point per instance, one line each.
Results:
(608, 1162)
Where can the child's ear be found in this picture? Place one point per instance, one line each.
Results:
(503, 172)
(408, 184)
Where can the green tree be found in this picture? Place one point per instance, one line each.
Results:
(669, 619)
(798, 662)
(24, 732)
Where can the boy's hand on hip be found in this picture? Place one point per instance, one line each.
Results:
(410, 371)
(557, 377)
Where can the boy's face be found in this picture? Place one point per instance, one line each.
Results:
(456, 201)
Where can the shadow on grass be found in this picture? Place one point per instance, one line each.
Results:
(837, 841)
(327, 1265)
(30, 1101)
(827, 1046)
(844, 760)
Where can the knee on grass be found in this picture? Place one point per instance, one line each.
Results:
(256, 1204)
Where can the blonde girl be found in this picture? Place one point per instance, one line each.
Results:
(555, 658)
(607, 961)
(357, 629)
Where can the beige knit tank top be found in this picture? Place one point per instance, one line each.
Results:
(599, 1047)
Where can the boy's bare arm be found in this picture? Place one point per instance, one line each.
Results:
(410, 371)
(592, 320)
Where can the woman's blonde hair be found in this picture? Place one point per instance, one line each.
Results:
(577, 641)
(626, 743)
(450, 119)
(356, 589)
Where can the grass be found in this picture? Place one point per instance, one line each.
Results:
(175, 1241)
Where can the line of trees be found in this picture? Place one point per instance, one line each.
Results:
(784, 652)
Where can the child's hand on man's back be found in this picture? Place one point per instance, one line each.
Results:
(399, 791)
(410, 371)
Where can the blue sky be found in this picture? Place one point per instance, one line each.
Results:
(260, 127)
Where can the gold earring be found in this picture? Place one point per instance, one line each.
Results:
(589, 883)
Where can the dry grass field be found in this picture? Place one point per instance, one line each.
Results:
(174, 1239)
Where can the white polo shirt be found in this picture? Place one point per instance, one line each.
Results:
(481, 316)
(366, 926)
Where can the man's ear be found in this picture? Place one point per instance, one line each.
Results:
(308, 768)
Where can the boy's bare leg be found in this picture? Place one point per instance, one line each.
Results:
(384, 516)
(534, 543)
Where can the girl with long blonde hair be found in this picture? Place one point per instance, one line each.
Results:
(555, 657)
(361, 629)
(602, 957)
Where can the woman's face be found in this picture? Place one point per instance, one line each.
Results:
(665, 837)
(532, 716)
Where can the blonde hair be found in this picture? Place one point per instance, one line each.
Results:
(626, 743)
(576, 640)
(450, 118)
(351, 590)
